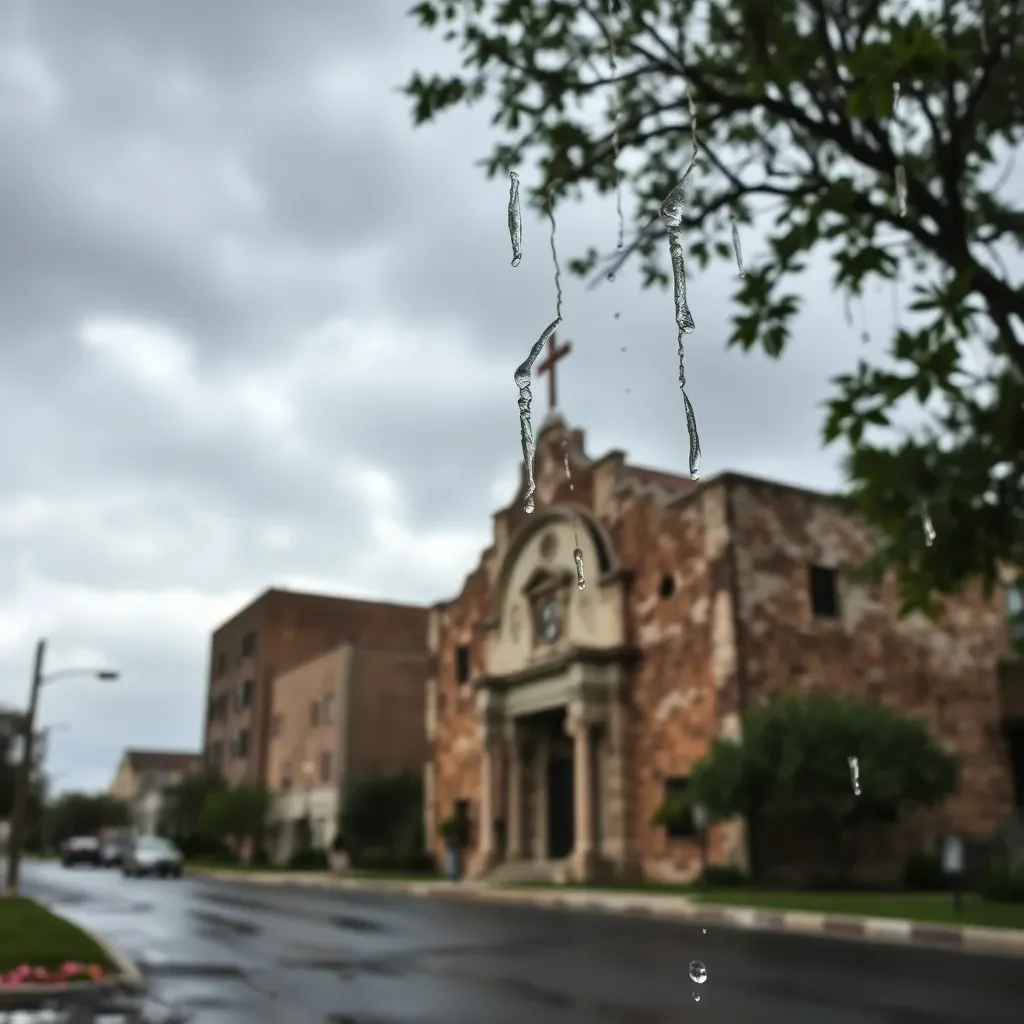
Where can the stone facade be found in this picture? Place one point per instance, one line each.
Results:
(277, 631)
(350, 712)
(558, 717)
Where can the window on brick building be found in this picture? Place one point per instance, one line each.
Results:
(326, 709)
(824, 592)
(675, 788)
(250, 643)
(462, 664)
(221, 664)
(245, 692)
(325, 766)
(314, 713)
(242, 743)
(667, 586)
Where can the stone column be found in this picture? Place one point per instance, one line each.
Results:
(579, 725)
(514, 824)
(485, 846)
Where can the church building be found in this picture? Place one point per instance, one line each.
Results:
(559, 719)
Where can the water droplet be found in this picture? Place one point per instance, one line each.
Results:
(522, 377)
(515, 219)
(854, 774)
(617, 315)
(926, 524)
(737, 249)
(611, 275)
(554, 251)
(629, 391)
(581, 580)
(704, 930)
(623, 348)
(696, 997)
(698, 972)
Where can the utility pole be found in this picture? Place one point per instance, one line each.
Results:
(23, 781)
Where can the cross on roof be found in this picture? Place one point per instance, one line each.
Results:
(548, 365)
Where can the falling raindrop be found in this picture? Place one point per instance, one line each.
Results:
(737, 248)
(581, 580)
(515, 219)
(704, 930)
(522, 378)
(854, 774)
(696, 997)
(926, 523)
(611, 275)
(901, 173)
(698, 972)
(611, 30)
(623, 348)
(617, 315)
(984, 37)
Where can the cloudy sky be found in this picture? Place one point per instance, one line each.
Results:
(257, 330)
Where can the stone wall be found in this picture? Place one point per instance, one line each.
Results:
(944, 673)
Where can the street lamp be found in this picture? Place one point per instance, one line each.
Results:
(19, 808)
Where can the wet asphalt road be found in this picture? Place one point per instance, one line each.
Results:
(222, 952)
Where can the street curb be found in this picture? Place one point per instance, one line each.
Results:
(127, 978)
(879, 930)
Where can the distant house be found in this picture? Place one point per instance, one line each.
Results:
(143, 777)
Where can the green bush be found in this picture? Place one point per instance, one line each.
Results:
(308, 860)
(923, 873)
(1002, 884)
(713, 877)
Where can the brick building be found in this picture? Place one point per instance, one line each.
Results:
(560, 719)
(353, 711)
(276, 632)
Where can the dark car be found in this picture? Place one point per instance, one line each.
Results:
(151, 855)
(80, 850)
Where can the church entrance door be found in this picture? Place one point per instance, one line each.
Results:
(561, 832)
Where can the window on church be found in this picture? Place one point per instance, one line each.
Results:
(667, 587)
(462, 664)
(824, 592)
(675, 788)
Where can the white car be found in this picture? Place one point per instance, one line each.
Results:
(151, 855)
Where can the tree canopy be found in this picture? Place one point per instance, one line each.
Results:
(236, 814)
(792, 764)
(794, 102)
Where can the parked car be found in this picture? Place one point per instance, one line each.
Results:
(151, 855)
(112, 852)
(80, 850)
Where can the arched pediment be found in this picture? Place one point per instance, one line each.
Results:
(538, 566)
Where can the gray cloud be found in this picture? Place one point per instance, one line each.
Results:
(256, 329)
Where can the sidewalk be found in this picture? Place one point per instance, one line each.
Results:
(964, 938)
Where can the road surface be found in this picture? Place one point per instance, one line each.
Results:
(224, 952)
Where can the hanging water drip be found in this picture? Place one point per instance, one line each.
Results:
(736, 248)
(926, 525)
(523, 377)
(515, 219)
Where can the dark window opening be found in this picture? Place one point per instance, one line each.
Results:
(667, 587)
(222, 665)
(824, 593)
(249, 644)
(314, 713)
(247, 690)
(462, 810)
(325, 766)
(462, 664)
(242, 744)
(676, 788)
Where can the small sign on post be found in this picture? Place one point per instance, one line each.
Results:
(953, 866)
